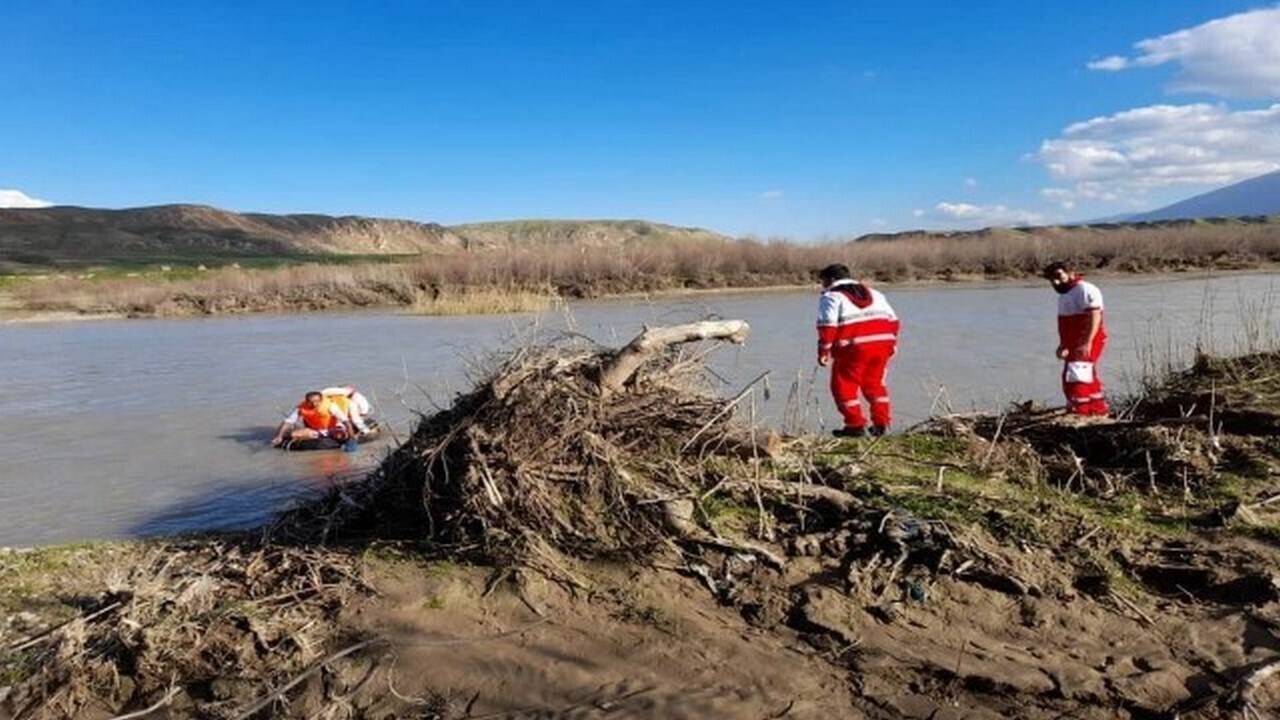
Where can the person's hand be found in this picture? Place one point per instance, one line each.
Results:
(1062, 353)
(275, 441)
(824, 360)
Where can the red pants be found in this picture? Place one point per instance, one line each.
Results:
(861, 369)
(1083, 386)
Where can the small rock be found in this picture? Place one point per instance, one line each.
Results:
(1075, 682)
(806, 545)
(821, 609)
(24, 621)
(1153, 691)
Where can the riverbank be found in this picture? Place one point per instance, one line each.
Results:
(487, 281)
(659, 560)
(490, 301)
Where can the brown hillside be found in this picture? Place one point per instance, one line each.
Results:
(579, 233)
(51, 235)
(73, 233)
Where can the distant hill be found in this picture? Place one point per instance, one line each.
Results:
(586, 233)
(1256, 196)
(1099, 228)
(169, 232)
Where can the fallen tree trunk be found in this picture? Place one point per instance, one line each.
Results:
(653, 341)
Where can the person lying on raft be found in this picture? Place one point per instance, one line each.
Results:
(316, 417)
(352, 403)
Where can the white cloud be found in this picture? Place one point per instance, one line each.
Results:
(971, 183)
(1233, 56)
(1121, 157)
(772, 195)
(878, 222)
(1062, 197)
(986, 214)
(917, 213)
(19, 199)
(1115, 62)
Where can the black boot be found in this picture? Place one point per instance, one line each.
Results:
(878, 430)
(850, 432)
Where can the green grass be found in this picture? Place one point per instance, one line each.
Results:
(17, 665)
(902, 471)
(728, 515)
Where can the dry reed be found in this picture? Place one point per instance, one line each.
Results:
(447, 283)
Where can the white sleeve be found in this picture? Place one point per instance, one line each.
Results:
(293, 417)
(1092, 297)
(828, 310)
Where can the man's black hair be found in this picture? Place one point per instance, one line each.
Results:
(1052, 269)
(313, 393)
(834, 272)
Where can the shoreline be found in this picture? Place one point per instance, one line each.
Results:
(1000, 544)
(13, 315)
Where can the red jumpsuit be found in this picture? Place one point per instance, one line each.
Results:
(1080, 381)
(858, 331)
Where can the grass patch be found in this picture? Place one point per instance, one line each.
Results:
(17, 665)
(480, 301)
(727, 515)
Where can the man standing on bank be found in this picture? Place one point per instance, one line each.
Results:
(1082, 336)
(857, 335)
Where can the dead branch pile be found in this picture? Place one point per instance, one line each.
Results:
(567, 447)
(198, 628)
(1176, 436)
(1239, 395)
(568, 452)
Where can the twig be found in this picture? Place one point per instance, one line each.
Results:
(725, 410)
(871, 447)
(281, 691)
(168, 698)
(1129, 604)
(1263, 503)
(1244, 689)
(1085, 538)
(36, 640)
(994, 439)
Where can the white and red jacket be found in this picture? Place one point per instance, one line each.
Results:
(850, 314)
(1075, 308)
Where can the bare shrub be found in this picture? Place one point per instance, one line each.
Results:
(665, 263)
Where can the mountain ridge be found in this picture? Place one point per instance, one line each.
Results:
(73, 233)
(1258, 195)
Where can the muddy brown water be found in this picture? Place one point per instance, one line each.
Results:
(131, 428)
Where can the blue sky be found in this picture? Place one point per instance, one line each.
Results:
(804, 119)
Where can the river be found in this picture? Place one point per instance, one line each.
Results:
(135, 428)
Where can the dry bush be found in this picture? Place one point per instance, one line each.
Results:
(663, 264)
(199, 628)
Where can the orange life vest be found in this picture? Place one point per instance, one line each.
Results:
(321, 418)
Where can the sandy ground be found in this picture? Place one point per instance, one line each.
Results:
(654, 645)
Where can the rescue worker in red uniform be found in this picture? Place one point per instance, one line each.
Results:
(1082, 336)
(857, 336)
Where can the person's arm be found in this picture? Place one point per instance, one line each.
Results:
(288, 423)
(279, 438)
(1095, 321)
(828, 316)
